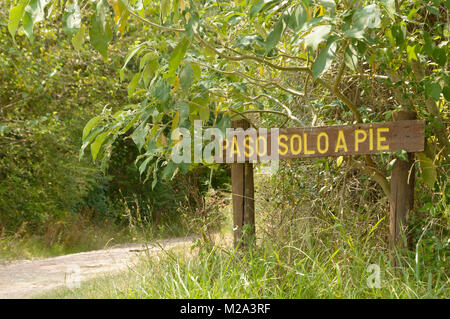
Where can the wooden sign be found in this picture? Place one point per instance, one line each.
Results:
(251, 144)
(243, 145)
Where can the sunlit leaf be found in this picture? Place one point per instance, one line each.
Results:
(186, 77)
(428, 169)
(325, 57)
(100, 32)
(274, 37)
(133, 84)
(317, 36)
(15, 15)
(177, 55)
(364, 18)
(339, 161)
(78, 38)
(139, 135)
(95, 146)
(71, 19)
(88, 127)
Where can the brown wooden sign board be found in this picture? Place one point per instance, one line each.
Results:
(244, 145)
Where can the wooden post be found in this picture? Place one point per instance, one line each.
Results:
(242, 188)
(402, 189)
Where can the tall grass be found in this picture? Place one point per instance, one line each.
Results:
(264, 272)
(313, 242)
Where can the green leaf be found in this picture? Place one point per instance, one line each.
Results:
(78, 38)
(169, 171)
(402, 154)
(139, 135)
(15, 15)
(411, 50)
(428, 46)
(100, 31)
(137, 49)
(161, 91)
(399, 34)
(297, 18)
(257, 7)
(28, 26)
(186, 77)
(351, 58)
(325, 57)
(87, 129)
(224, 123)
(446, 91)
(34, 13)
(192, 25)
(390, 8)
(440, 56)
(274, 37)
(177, 55)
(150, 56)
(339, 161)
(129, 125)
(144, 164)
(329, 5)
(429, 174)
(433, 10)
(204, 114)
(133, 84)
(71, 20)
(184, 109)
(246, 42)
(165, 6)
(317, 36)
(95, 147)
(433, 90)
(197, 71)
(367, 17)
(148, 74)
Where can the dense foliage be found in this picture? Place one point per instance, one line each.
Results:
(213, 60)
(276, 63)
(48, 92)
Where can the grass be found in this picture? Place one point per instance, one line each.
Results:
(268, 272)
(75, 239)
(14, 247)
(79, 234)
(306, 249)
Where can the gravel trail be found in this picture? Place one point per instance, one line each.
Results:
(23, 279)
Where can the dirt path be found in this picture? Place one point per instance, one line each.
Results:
(27, 278)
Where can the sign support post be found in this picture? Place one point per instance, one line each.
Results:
(242, 187)
(402, 189)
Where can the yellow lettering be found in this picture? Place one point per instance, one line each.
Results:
(359, 139)
(299, 148)
(281, 144)
(371, 139)
(319, 148)
(340, 143)
(257, 145)
(382, 139)
(235, 147)
(305, 141)
(247, 141)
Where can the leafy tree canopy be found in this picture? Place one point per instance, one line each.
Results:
(218, 60)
